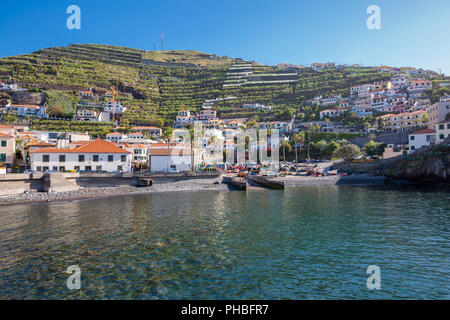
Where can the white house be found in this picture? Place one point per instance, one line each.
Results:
(86, 94)
(114, 107)
(87, 114)
(154, 132)
(421, 138)
(442, 130)
(175, 158)
(115, 137)
(139, 153)
(98, 155)
(331, 113)
(28, 110)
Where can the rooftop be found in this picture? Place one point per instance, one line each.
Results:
(423, 131)
(97, 146)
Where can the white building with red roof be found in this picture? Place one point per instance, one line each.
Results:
(421, 138)
(28, 110)
(98, 155)
(331, 113)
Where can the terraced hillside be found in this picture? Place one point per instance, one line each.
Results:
(156, 85)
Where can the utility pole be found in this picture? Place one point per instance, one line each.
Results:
(162, 41)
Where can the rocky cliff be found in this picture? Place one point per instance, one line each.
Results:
(428, 165)
(25, 97)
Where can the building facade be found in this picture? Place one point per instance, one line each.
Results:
(98, 155)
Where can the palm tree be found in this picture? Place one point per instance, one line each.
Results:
(167, 135)
(298, 138)
(285, 144)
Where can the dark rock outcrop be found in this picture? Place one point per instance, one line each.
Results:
(429, 165)
(25, 97)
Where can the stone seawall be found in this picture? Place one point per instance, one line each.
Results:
(17, 183)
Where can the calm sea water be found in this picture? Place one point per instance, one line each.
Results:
(301, 243)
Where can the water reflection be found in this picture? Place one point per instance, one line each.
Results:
(299, 243)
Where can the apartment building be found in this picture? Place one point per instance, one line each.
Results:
(403, 121)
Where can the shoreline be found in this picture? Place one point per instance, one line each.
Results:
(207, 184)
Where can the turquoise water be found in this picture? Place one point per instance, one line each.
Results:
(301, 243)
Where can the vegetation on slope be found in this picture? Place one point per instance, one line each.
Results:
(154, 94)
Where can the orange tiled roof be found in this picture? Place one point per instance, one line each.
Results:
(25, 106)
(40, 144)
(145, 128)
(424, 131)
(97, 146)
(4, 135)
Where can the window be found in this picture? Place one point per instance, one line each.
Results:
(38, 169)
(88, 168)
(95, 158)
(62, 158)
(2, 157)
(441, 136)
(119, 168)
(46, 158)
(110, 158)
(441, 127)
(448, 126)
(412, 138)
(98, 168)
(3, 143)
(77, 168)
(123, 158)
(81, 158)
(62, 169)
(135, 157)
(44, 169)
(412, 147)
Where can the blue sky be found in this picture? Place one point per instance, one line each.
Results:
(413, 33)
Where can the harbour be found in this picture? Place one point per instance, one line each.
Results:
(298, 243)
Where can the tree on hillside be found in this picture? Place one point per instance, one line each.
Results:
(347, 152)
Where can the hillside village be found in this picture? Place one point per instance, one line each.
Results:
(111, 109)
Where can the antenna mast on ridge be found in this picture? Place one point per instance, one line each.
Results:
(162, 41)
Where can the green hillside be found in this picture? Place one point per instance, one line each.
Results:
(156, 85)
